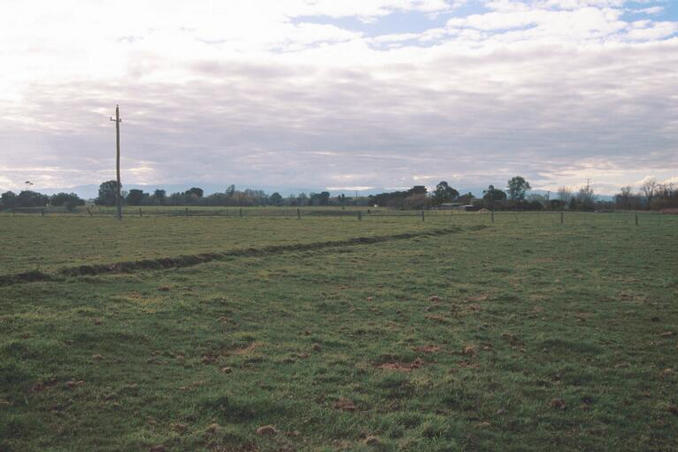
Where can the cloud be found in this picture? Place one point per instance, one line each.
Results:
(651, 10)
(265, 93)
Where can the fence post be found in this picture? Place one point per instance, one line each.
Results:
(298, 214)
(186, 211)
(492, 215)
(636, 219)
(240, 212)
(42, 213)
(141, 214)
(562, 217)
(422, 216)
(360, 216)
(89, 211)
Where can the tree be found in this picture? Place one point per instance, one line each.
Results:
(324, 198)
(517, 187)
(493, 194)
(8, 199)
(275, 199)
(302, 199)
(28, 198)
(107, 191)
(585, 199)
(535, 197)
(320, 199)
(397, 199)
(195, 191)
(556, 204)
(572, 205)
(68, 200)
(230, 191)
(417, 190)
(564, 194)
(444, 193)
(622, 200)
(466, 198)
(176, 199)
(159, 196)
(59, 199)
(649, 188)
(418, 201)
(665, 191)
(135, 197)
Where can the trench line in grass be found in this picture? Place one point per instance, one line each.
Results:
(196, 259)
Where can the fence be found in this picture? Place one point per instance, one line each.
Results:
(489, 217)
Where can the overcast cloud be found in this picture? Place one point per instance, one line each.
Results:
(340, 94)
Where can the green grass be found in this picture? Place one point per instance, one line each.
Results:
(32, 242)
(48, 243)
(526, 335)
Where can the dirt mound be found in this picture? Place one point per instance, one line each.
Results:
(402, 367)
(31, 276)
(427, 348)
(345, 404)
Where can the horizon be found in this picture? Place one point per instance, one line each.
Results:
(343, 97)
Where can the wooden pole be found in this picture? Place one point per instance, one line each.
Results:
(298, 214)
(562, 217)
(360, 216)
(118, 196)
(422, 216)
(636, 219)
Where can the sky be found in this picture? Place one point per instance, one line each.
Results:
(340, 95)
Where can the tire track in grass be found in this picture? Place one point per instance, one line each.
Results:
(196, 259)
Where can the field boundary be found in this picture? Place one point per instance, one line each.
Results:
(196, 259)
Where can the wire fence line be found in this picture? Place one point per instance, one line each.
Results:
(555, 217)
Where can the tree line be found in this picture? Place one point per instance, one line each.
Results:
(516, 196)
(652, 195)
(231, 197)
(29, 198)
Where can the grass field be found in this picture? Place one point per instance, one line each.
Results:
(524, 334)
(37, 243)
(31, 242)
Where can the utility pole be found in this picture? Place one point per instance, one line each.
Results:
(118, 197)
